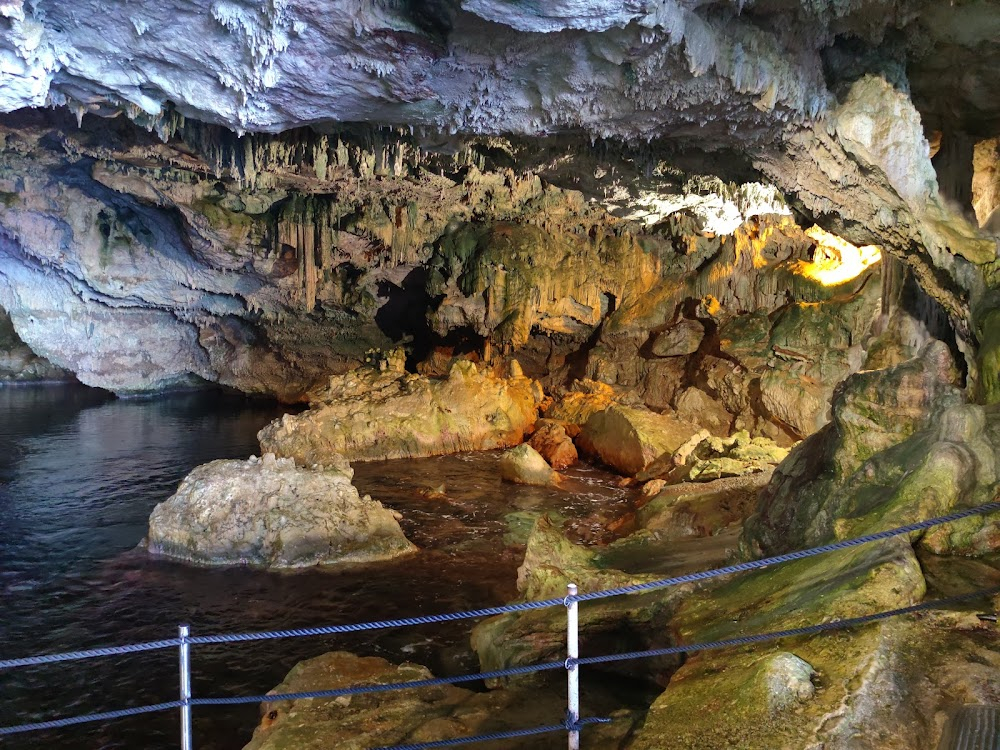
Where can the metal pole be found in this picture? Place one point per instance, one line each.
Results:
(572, 670)
(185, 670)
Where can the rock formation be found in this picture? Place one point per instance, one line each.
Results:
(382, 412)
(364, 721)
(266, 512)
(680, 237)
(525, 465)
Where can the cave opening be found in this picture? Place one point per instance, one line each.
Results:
(403, 318)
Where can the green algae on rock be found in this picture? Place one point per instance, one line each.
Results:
(267, 512)
(376, 413)
(695, 509)
(727, 698)
(890, 457)
(618, 624)
(360, 722)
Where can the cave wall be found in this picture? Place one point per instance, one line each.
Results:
(266, 263)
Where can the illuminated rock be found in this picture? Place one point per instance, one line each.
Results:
(628, 440)
(554, 444)
(372, 414)
(524, 465)
(267, 512)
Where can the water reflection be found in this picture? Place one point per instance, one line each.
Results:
(79, 474)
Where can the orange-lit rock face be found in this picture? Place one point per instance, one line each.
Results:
(836, 261)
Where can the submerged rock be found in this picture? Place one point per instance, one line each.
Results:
(628, 440)
(269, 513)
(372, 414)
(524, 465)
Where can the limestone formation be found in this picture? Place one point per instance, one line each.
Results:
(267, 512)
(913, 451)
(764, 697)
(554, 444)
(525, 465)
(381, 719)
(372, 414)
(18, 363)
(628, 440)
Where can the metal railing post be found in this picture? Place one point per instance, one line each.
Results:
(572, 670)
(185, 671)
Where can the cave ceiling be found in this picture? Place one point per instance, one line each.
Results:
(198, 135)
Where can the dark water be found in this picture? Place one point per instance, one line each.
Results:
(79, 474)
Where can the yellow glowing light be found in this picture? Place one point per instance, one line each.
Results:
(836, 261)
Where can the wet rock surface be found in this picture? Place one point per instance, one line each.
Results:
(911, 452)
(267, 512)
(751, 706)
(554, 443)
(447, 712)
(525, 465)
(551, 562)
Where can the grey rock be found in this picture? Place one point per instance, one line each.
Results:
(789, 681)
(267, 512)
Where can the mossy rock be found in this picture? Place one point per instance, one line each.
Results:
(725, 698)
(618, 623)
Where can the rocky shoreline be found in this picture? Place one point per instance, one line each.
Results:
(842, 481)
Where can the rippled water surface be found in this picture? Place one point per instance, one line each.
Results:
(79, 474)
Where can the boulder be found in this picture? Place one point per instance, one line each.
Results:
(585, 398)
(372, 414)
(684, 337)
(789, 681)
(267, 512)
(697, 407)
(524, 465)
(554, 444)
(628, 439)
(444, 712)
